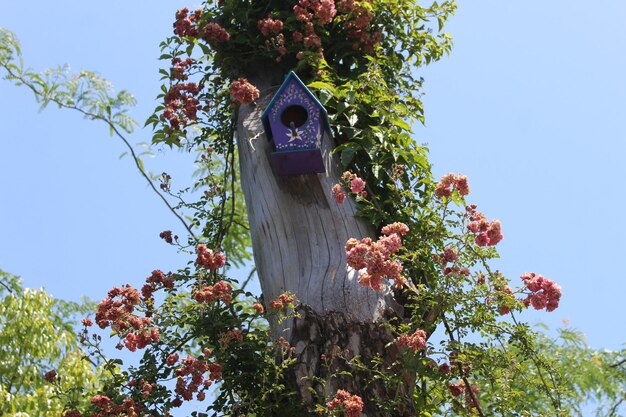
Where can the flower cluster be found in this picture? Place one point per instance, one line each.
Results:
(181, 104)
(283, 301)
(171, 359)
(185, 24)
(269, 26)
(211, 293)
(142, 337)
(450, 182)
(351, 182)
(191, 377)
(545, 293)
(374, 257)
(357, 22)
(258, 307)
(487, 233)
(208, 259)
(117, 313)
(338, 194)
(320, 11)
(50, 376)
(229, 336)
(154, 281)
(213, 32)
(166, 235)
(352, 404)
(416, 341)
(449, 256)
(180, 67)
(243, 92)
(108, 408)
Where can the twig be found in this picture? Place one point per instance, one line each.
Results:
(114, 128)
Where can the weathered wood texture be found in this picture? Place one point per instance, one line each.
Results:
(298, 229)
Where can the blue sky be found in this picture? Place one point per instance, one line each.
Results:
(529, 106)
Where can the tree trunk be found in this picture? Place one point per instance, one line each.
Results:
(298, 236)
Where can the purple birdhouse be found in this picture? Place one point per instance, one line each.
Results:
(296, 121)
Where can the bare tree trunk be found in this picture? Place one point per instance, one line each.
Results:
(298, 236)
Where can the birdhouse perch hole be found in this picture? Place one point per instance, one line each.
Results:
(294, 114)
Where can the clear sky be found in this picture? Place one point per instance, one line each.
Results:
(529, 106)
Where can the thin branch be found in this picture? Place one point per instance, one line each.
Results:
(9, 289)
(463, 377)
(115, 130)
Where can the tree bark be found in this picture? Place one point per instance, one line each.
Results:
(298, 235)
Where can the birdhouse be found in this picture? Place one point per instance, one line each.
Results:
(295, 121)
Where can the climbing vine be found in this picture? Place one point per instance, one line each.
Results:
(460, 335)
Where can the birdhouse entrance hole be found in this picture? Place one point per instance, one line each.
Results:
(296, 115)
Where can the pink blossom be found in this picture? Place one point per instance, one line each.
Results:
(456, 389)
(449, 182)
(461, 184)
(494, 232)
(208, 259)
(352, 404)
(213, 32)
(172, 359)
(397, 228)
(545, 293)
(185, 24)
(357, 185)
(482, 239)
(449, 255)
(270, 26)
(243, 92)
(50, 376)
(416, 341)
(338, 194)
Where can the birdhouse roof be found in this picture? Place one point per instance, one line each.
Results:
(292, 76)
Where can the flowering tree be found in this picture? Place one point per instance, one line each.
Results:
(378, 294)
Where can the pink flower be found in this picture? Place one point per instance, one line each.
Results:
(397, 228)
(461, 184)
(374, 258)
(211, 293)
(494, 232)
(269, 26)
(50, 376)
(449, 255)
(209, 260)
(545, 293)
(101, 401)
(338, 194)
(416, 341)
(243, 92)
(449, 182)
(213, 32)
(357, 185)
(185, 24)
(482, 239)
(352, 404)
(172, 359)
(456, 389)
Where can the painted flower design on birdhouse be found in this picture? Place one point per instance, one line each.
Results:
(295, 121)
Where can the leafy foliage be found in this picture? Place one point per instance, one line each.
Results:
(361, 59)
(37, 335)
